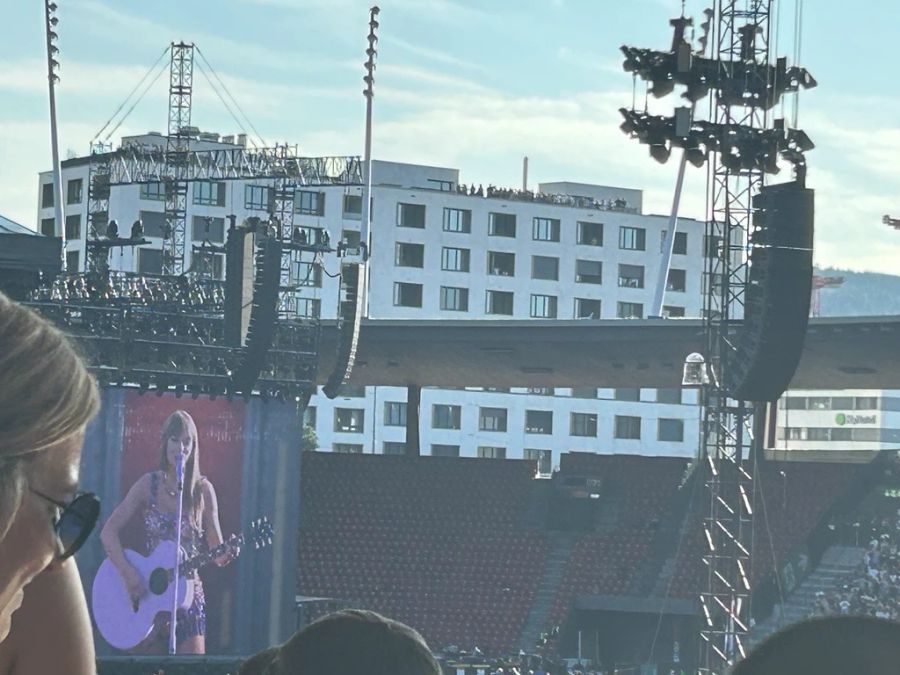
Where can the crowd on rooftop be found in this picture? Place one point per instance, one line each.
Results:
(493, 192)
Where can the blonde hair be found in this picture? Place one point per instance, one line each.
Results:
(46, 396)
(175, 425)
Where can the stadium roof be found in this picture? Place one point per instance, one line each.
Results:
(8, 226)
(840, 353)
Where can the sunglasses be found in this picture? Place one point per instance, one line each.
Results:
(76, 521)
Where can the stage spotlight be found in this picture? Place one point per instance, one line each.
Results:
(299, 236)
(695, 373)
(660, 152)
(137, 229)
(112, 230)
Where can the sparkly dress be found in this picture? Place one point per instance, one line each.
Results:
(160, 526)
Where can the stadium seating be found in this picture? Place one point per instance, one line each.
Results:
(435, 542)
(452, 545)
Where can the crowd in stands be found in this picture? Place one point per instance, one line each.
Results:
(873, 589)
(492, 192)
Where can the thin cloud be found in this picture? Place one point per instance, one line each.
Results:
(435, 55)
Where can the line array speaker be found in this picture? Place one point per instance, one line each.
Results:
(776, 304)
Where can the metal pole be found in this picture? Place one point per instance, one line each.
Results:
(50, 22)
(368, 92)
(669, 244)
(176, 572)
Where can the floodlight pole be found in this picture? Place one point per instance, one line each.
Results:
(369, 93)
(669, 242)
(50, 22)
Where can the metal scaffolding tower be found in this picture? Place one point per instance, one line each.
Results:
(178, 145)
(741, 36)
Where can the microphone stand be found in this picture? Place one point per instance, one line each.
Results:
(176, 572)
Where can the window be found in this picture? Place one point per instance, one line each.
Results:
(74, 189)
(502, 224)
(309, 308)
(588, 272)
(257, 197)
(349, 420)
(545, 229)
(866, 403)
(544, 459)
(308, 274)
(501, 264)
(492, 419)
(395, 414)
(457, 220)
(584, 392)
(628, 427)
(394, 448)
(347, 448)
(842, 403)
(819, 403)
(672, 312)
(352, 207)
(445, 416)
(149, 261)
(411, 215)
(47, 198)
(538, 421)
(73, 227)
(712, 245)
(672, 395)
(154, 223)
(490, 452)
(409, 255)
(350, 238)
(583, 424)
(630, 310)
(590, 234)
(818, 434)
(441, 450)
(676, 281)
(48, 227)
(153, 191)
(632, 238)
(407, 295)
(543, 306)
(207, 228)
(454, 259)
(73, 261)
(499, 302)
(679, 246)
(208, 263)
(586, 308)
(670, 430)
(352, 391)
(309, 203)
(627, 394)
(631, 276)
(544, 267)
(209, 193)
(454, 299)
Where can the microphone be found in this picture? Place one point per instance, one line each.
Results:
(179, 472)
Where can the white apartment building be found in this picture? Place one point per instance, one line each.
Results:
(579, 251)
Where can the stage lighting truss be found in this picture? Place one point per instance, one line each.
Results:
(741, 147)
(166, 333)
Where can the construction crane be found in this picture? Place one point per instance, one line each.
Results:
(818, 283)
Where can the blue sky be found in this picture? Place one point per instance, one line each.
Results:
(474, 85)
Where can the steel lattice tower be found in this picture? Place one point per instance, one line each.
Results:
(178, 141)
(728, 425)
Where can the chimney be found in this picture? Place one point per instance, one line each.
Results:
(525, 174)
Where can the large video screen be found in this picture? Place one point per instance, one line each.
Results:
(130, 570)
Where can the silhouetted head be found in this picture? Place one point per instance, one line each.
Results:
(351, 642)
(840, 645)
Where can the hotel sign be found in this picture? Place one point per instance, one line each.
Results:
(842, 419)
